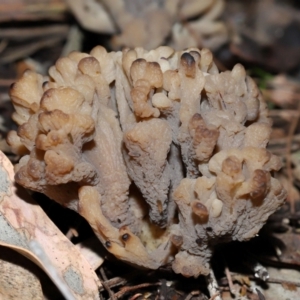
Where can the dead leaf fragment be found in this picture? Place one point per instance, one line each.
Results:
(22, 221)
(16, 279)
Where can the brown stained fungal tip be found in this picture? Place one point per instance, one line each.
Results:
(176, 240)
(200, 209)
(125, 237)
(45, 113)
(260, 184)
(107, 244)
(45, 83)
(154, 64)
(206, 133)
(231, 166)
(89, 64)
(89, 59)
(189, 64)
(195, 118)
(47, 94)
(139, 60)
(22, 130)
(200, 131)
(195, 121)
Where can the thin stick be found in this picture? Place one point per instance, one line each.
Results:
(103, 274)
(229, 278)
(284, 113)
(212, 286)
(116, 281)
(3, 45)
(6, 82)
(291, 132)
(110, 292)
(270, 280)
(281, 281)
(126, 289)
(192, 294)
(136, 296)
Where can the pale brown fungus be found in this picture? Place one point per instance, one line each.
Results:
(153, 148)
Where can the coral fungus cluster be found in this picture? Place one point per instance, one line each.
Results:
(162, 154)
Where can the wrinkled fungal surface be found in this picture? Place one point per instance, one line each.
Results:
(162, 154)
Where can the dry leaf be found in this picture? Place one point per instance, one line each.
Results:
(242, 279)
(90, 249)
(17, 281)
(23, 221)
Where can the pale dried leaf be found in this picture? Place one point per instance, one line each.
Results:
(17, 281)
(91, 250)
(22, 221)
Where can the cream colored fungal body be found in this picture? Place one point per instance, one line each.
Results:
(162, 154)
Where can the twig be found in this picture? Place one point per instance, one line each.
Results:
(281, 281)
(112, 295)
(279, 264)
(26, 33)
(3, 45)
(32, 10)
(291, 132)
(103, 274)
(270, 280)
(135, 296)
(6, 82)
(229, 278)
(212, 286)
(282, 141)
(127, 289)
(19, 52)
(71, 233)
(110, 292)
(284, 113)
(116, 281)
(192, 294)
